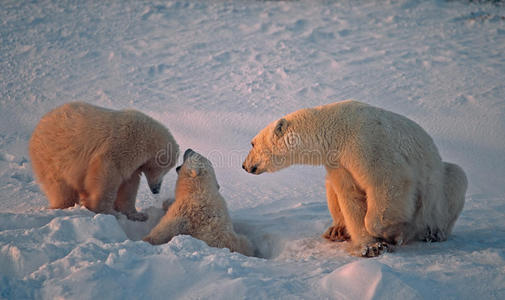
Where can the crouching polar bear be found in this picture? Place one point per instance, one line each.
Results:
(94, 156)
(199, 209)
(386, 183)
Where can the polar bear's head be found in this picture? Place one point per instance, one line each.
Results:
(196, 174)
(154, 173)
(275, 147)
(158, 166)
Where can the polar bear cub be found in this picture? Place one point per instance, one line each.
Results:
(199, 209)
(386, 183)
(95, 156)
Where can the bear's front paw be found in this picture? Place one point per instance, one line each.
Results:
(376, 248)
(336, 234)
(137, 216)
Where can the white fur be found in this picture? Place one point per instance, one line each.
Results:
(386, 183)
(199, 210)
(95, 156)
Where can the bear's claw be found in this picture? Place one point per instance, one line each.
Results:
(376, 249)
(336, 234)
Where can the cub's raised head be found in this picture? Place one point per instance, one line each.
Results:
(273, 148)
(196, 172)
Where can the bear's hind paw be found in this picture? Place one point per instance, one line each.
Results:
(336, 234)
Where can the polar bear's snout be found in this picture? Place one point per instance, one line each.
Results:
(155, 188)
(251, 170)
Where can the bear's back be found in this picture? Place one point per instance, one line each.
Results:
(384, 127)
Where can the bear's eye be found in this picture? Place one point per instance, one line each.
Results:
(252, 144)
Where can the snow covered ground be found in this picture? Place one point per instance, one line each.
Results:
(217, 72)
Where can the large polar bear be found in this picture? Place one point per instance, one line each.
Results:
(386, 183)
(199, 209)
(86, 154)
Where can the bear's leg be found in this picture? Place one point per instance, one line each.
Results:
(101, 199)
(352, 201)
(167, 228)
(101, 185)
(126, 196)
(391, 205)
(337, 231)
(455, 184)
(60, 194)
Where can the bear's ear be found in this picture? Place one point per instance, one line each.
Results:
(281, 127)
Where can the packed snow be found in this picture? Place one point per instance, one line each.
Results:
(217, 72)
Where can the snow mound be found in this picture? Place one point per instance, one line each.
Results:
(367, 280)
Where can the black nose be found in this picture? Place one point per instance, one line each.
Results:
(253, 169)
(243, 167)
(155, 189)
